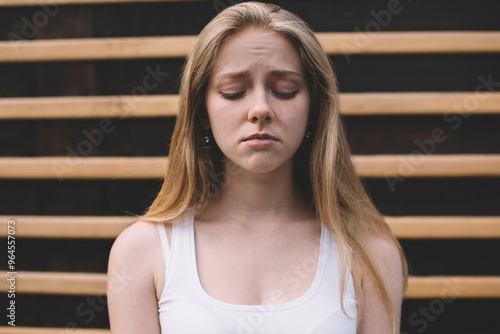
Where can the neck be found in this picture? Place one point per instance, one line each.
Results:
(251, 198)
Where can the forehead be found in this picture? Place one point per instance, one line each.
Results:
(256, 49)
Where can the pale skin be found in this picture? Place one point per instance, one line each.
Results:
(258, 85)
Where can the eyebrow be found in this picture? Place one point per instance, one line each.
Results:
(243, 74)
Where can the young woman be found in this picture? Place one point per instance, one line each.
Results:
(262, 225)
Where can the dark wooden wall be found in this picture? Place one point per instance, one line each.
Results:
(150, 137)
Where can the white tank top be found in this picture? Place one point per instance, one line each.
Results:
(186, 308)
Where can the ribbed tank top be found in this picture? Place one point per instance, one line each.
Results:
(186, 308)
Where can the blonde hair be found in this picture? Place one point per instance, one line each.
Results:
(194, 174)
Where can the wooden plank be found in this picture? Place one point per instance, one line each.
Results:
(451, 287)
(419, 103)
(83, 168)
(49, 330)
(96, 48)
(427, 165)
(11, 3)
(369, 166)
(91, 284)
(334, 43)
(108, 227)
(58, 283)
(352, 104)
(403, 42)
(88, 107)
(81, 227)
(444, 227)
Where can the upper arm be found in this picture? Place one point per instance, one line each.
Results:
(374, 317)
(132, 302)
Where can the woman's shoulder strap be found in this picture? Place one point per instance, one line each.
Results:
(162, 231)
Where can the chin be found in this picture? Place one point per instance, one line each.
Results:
(262, 164)
(262, 167)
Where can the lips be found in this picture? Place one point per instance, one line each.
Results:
(261, 135)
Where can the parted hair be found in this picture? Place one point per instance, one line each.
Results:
(322, 166)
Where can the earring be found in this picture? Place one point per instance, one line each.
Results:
(206, 139)
(308, 134)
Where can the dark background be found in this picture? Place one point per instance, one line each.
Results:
(150, 137)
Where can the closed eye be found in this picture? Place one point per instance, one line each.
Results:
(281, 95)
(285, 95)
(231, 96)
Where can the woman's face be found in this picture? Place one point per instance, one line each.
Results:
(258, 101)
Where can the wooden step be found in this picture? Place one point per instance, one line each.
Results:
(352, 104)
(334, 43)
(108, 227)
(94, 284)
(369, 166)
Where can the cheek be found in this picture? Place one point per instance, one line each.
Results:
(222, 122)
(223, 116)
(297, 119)
(213, 111)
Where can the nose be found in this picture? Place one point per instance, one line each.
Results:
(260, 110)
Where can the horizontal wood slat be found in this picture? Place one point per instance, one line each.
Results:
(87, 284)
(369, 166)
(84, 227)
(422, 165)
(96, 48)
(83, 168)
(404, 227)
(124, 106)
(410, 42)
(334, 43)
(444, 227)
(49, 330)
(453, 287)
(419, 103)
(352, 104)
(58, 283)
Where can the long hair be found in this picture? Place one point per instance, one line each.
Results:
(194, 174)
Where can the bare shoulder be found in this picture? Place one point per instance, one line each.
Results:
(384, 251)
(135, 238)
(387, 257)
(138, 246)
(138, 249)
